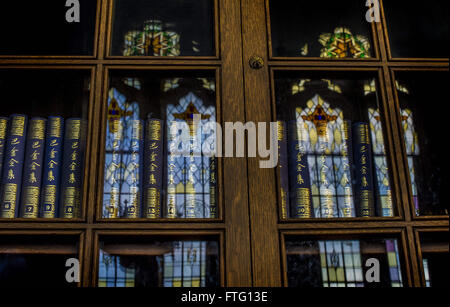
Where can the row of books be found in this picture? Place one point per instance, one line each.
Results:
(150, 179)
(306, 189)
(41, 162)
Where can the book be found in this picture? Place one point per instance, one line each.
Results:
(51, 176)
(362, 152)
(32, 171)
(113, 171)
(283, 170)
(153, 168)
(133, 209)
(213, 214)
(71, 176)
(299, 177)
(13, 166)
(3, 128)
(347, 205)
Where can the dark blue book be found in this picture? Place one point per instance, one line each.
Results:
(52, 167)
(133, 209)
(153, 168)
(283, 168)
(213, 214)
(362, 155)
(3, 130)
(71, 174)
(299, 178)
(13, 166)
(346, 203)
(32, 170)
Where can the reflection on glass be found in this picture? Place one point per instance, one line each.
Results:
(168, 28)
(30, 262)
(418, 31)
(143, 177)
(335, 164)
(325, 29)
(427, 162)
(342, 263)
(435, 252)
(158, 264)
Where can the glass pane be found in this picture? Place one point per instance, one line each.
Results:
(333, 160)
(343, 263)
(417, 30)
(41, 28)
(145, 176)
(27, 262)
(423, 102)
(326, 29)
(434, 248)
(158, 263)
(42, 142)
(163, 28)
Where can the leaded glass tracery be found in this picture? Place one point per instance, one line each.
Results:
(191, 180)
(122, 158)
(326, 145)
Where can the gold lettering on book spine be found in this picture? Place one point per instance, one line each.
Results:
(3, 125)
(18, 126)
(9, 201)
(365, 203)
(37, 129)
(303, 203)
(55, 127)
(74, 129)
(30, 202)
(71, 203)
(49, 201)
(152, 201)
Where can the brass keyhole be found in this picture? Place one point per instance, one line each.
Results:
(256, 62)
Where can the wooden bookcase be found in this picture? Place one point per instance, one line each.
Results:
(250, 230)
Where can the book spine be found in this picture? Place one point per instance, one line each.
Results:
(153, 168)
(171, 201)
(348, 208)
(133, 210)
(363, 169)
(71, 177)
(283, 168)
(32, 172)
(13, 166)
(300, 183)
(51, 177)
(213, 214)
(114, 177)
(3, 128)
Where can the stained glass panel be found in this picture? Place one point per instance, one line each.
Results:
(342, 263)
(333, 173)
(422, 131)
(186, 184)
(163, 28)
(435, 252)
(159, 264)
(326, 29)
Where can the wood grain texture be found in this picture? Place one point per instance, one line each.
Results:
(262, 184)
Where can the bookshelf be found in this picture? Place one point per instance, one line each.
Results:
(249, 234)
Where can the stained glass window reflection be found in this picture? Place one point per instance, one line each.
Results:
(435, 251)
(163, 28)
(325, 29)
(423, 125)
(342, 263)
(159, 264)
(143, 176)
(332, 156)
